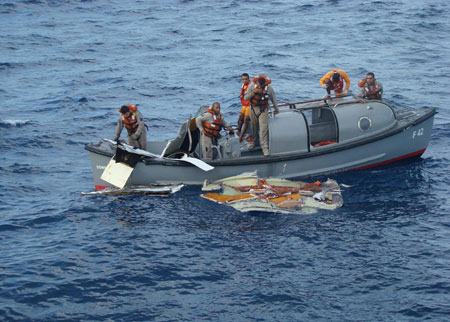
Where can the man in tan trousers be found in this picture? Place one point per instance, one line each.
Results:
(259, 93)
(132, 120)
(210, 124)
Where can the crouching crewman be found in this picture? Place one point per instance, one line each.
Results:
(370, 88)
(210, 123)
(133, 121)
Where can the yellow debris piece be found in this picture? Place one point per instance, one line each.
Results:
(218, 197)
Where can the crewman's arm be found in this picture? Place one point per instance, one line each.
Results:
(227, 126)
(347, 80)
(380, 87)
(273, 98)
(249, 93)
(141, 124)
(362, 92)
(199, 122)
(326, 76)
(118, 128)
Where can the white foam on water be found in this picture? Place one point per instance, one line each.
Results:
(14, 122)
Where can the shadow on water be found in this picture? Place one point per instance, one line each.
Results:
(185, 212)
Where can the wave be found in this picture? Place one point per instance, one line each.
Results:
(10, 65)
(12, 123)
(10, 227)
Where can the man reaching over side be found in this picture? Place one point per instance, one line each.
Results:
(133, 121)
(334, 80)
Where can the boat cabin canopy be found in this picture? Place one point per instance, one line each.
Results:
(315, 126)
(301, 129)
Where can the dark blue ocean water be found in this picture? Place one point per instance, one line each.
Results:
(67, 66)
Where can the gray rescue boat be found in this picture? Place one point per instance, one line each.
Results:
(307, 138)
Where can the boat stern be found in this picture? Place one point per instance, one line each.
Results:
(100, 154)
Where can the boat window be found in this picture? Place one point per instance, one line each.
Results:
(364, 123)
(322, 126)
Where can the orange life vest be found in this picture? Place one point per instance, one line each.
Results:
(130, 123)
(337, 86)
(261, 99)
(213, 129)
(373, 94)
(243, 90)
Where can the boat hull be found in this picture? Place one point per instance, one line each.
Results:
(405, 142)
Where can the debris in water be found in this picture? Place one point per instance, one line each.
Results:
(150, 190)
(247, 192)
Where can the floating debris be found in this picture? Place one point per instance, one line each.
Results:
(149, 190)
(247, 192)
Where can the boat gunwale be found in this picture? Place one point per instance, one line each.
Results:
(279, 158)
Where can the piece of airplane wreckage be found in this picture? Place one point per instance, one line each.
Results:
(246, 192)
(316, 137)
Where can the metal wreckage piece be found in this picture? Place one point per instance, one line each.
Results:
(247, 192)
(149, 190)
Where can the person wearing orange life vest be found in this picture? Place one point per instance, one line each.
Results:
(370, 87)
(244, 115)
(132, 120)
(259, 93)
(334, 80)
(210, 124)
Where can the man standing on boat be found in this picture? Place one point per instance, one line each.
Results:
(244, 116)
(370, 87)
(210, 124)
(334, 80)
(259, 92)
(133, 121)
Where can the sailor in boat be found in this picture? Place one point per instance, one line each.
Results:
(334, 80)
(133, 121)
(370, 88)
(244, 116)
(210, 123)
(258, 93)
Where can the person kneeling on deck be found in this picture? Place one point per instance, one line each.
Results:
(210, 124)
(259, 92)
(133, 121)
